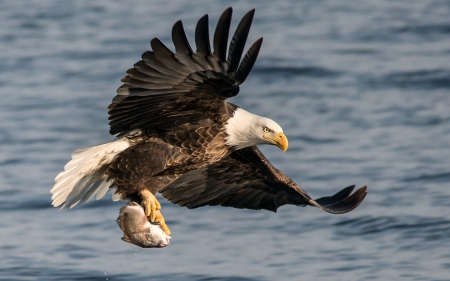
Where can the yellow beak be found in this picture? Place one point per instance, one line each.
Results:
(280, 140)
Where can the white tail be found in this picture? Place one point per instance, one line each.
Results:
(84, 176)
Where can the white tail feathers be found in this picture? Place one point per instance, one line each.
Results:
(84, 176)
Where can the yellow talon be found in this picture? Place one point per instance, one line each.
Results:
(160, 219)
(152, 209)
(150, 204)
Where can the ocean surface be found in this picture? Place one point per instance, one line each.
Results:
(361, 88)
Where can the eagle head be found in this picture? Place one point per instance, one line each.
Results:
(246, 129)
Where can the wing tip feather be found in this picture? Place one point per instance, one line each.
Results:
(220, 39)
(342, 202)
(239, 39)
(248, 61)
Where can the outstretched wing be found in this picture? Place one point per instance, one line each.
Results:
(246, 179)
(167, 90)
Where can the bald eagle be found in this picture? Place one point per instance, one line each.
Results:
(178, 135)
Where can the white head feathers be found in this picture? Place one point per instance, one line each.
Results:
(246, 129)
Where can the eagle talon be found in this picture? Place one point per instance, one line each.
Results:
(162, 222)
(150, 204)
(152, 209)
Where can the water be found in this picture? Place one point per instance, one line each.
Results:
(361, 90)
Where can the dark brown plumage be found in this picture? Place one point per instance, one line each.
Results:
(158, 160)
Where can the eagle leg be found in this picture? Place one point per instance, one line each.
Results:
(152, 209)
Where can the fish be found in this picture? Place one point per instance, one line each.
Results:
(138, 230)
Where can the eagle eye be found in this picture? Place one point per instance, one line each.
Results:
(266, 130)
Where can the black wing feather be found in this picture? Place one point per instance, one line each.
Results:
(246, 179)
(145, 70)
(248, 61)
(150, 59)
(179, 39)
(221, 34)
(167, 57)
(202, 37)
(340, 203)
(183, 49)
(134, 73)
(237, 44)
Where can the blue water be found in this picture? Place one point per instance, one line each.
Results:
(361, 89)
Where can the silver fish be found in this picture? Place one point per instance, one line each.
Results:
(138, 230)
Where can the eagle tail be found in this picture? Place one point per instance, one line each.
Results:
(85, 175)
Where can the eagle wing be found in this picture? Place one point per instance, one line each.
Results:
(167, 90)
(246, 179)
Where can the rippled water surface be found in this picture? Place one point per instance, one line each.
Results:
(360, 88)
